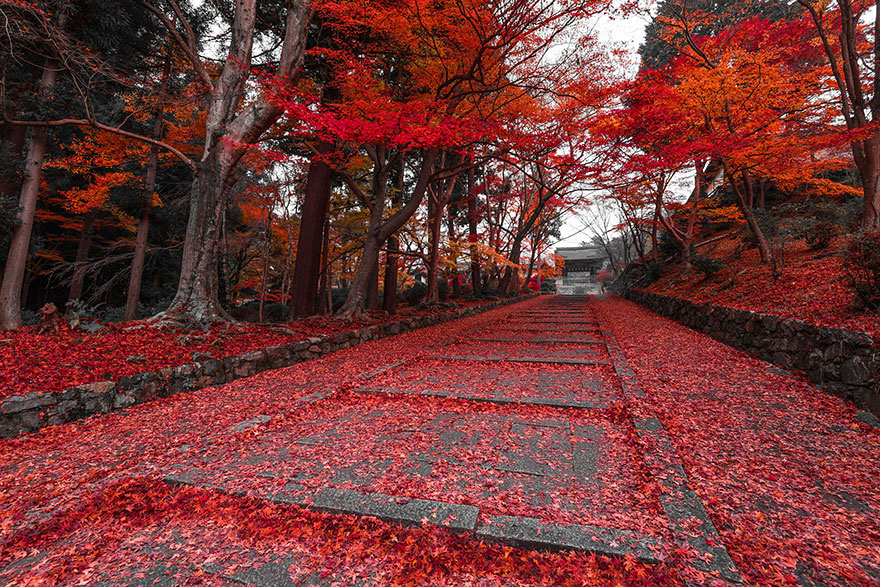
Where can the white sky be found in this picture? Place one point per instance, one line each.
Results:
(627, 33)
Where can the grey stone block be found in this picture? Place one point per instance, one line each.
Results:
(534, 534)
(31, 401)
(253, 422)
(391, 508)
(868, 418)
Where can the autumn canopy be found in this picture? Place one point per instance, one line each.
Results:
(178, 160)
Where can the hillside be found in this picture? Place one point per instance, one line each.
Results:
(813, 285)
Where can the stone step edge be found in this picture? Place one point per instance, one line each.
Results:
(21, 414)
(517, 531)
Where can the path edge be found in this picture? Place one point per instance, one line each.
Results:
(22, 414)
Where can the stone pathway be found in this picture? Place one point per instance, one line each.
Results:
(528, 427)
(557, 455)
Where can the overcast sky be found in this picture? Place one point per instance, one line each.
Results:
(614, 31)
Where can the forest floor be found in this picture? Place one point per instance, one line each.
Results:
(56, 361)
(813, 285)
(574, 424)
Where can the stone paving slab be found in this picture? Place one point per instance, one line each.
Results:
(681, 505)
(546, 327)
(389, 508)
(528, 349)
(504, 383)
(539, 340)
(520, 359)
(498, 399)
(391, 459)
(534, 534)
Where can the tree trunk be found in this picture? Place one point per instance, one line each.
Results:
(133, 294)
(450, 228)
(743, 200)
(197, 291)
(510, 280)
(389, 301)
(307, 271)
(264, 269)
(472, 234)
(228, 127)
(82, 256)
(869, 170)
(16, 261)
(372, 302)
(378, 230)
(325, 295)
(435, 219)
(392, 250)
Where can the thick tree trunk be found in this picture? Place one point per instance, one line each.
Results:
(869, 170)
(357, 295)
(510, 280)
(228, 126)
(197, 291)
(82, 256)
(16, 261)
(307, 271)
(373, 301)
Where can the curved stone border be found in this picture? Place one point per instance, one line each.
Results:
(26, 413)
(844, 362)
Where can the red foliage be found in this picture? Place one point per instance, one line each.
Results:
(785, 472)
(813, 287)
(80, 503)
(55, 361)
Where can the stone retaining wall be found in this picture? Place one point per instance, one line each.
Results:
(26, 413)
(843, 362)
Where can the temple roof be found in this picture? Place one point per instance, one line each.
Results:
(581, 253)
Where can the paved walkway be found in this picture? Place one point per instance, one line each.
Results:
(526, 427)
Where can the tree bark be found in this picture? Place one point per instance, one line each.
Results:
(435, 219)
(228, 131)
(82, 256)
(472, 233)
(389, 291)
(378, 231)
(392, 253)
(133, 294)
(748, 212)
(16, 261)
(325, 295)
(307, 271)
(450, 229)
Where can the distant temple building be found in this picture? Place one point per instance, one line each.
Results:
(582, 264)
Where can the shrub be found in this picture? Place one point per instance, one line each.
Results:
(707, 265)
(653, 271)
(819, 235)
(413, 295)
(668, 247)
(862, 264)
(338, 297)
